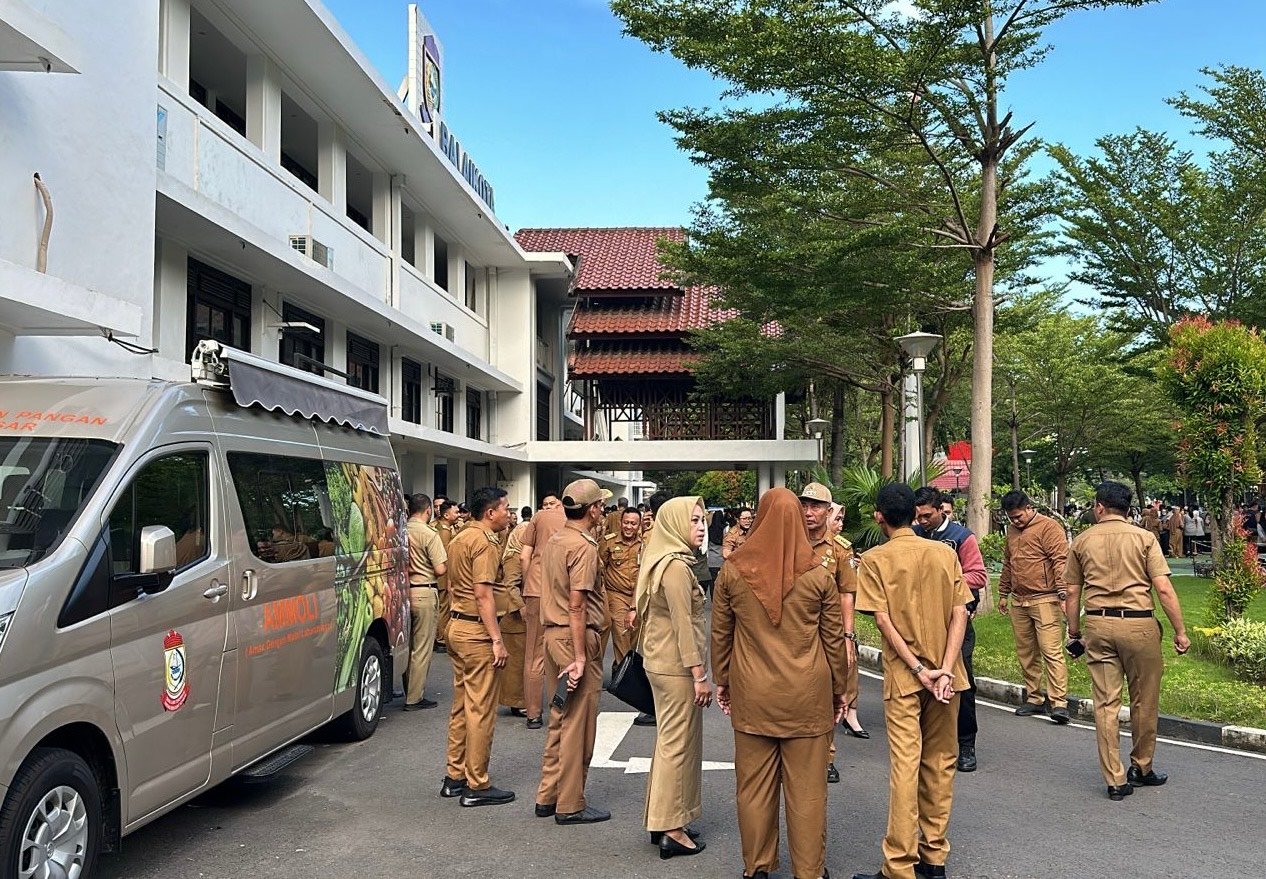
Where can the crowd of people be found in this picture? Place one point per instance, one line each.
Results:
(526, 610)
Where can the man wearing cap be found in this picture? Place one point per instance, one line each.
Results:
(537, 533)
(574, 612)
(619, 558)
(837, 559)
(737, 536)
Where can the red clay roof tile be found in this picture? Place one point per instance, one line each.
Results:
(662, 315)
(631, 359)
(608, 260)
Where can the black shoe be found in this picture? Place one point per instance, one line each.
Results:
(832, 774)
(1153, 778)
(453, 787)
(418, 706)
(1060, 716)
(489, 796)
(929, 871)
(545, 811)
(590, 815)
(1028, 709)
(440, 648)
(878, 875)
(657, 835)
(966, 758)
(644, 720)
(534, 723)
(671, 848)
(1118, 792)
(759, 874)
(518, 712)
(857, 733)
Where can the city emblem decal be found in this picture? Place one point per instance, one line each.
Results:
(177, 689)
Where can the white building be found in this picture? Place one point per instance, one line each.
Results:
(237, 169)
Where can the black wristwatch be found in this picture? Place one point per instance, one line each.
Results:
(851, 636)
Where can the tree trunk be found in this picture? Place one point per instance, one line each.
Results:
(1137, 473)
(1221, 521)
(1061, 481)
(981, 484)
(886, 424)
(837, 433)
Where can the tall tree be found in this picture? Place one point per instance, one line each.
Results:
(910, 103)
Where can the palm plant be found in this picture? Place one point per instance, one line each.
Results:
(858, 491)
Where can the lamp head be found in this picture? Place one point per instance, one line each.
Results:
(917, 346)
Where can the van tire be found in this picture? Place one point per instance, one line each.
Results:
(67, 778)
(371, 678)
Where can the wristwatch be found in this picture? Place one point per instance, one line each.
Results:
(702, 680)
(918, 670)
(851, 636)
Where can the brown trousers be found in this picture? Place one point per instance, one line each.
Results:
(569, 743)
(1126, 649)
(514, 634)
(618, 607)
(922, 750)
(674, 788)
(446, 607)
(1039, 640)
(423, 608)
(473, 718)
(765, 767)
(533, 657)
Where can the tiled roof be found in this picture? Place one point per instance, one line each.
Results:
(946, 481)
(627, 359)
(665, 315)
(608, 260)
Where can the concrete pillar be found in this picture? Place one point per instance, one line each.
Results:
(423, 246)
(780, 416)
(779, 475)
(457, 488)
(380, 222)
(173, 43)
(332, 166)
(171, 298)
(263, 105)
(764, 480)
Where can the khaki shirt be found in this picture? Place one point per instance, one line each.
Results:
(674, 628)
(569, 563)
(734, 538)
(543, 526)
(918, 583)
(511, 566)
(474, 556)
(619, 561)
(1033, 561)
(1115, 563)
(836, 555)
(781, 678)
(612, 522)
(1151, 521)
(426, 550)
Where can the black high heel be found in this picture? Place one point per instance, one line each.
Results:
(671, 848)
(858, 733)
(657, 835)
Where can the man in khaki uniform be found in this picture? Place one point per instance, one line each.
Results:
(427, 562)
(446, 526)
(1030, 591)
(477, 650)
(612, 523)
(513, 624)
(619, 560)
(737, 536)
(1150, 521)
(915, 589)
(835, 554)
(1116, 566)
(574, 611)
(538, 532)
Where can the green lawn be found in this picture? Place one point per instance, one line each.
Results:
(1193, 687)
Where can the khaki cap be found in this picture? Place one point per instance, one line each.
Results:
(582, 493)
(816, 491)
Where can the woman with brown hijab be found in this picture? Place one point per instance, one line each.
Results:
(674, 643)
(780, 667)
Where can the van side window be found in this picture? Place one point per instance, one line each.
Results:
(170, 491)
(285, 506)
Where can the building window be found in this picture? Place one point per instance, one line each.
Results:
(444, 389)
(362, 363)
(472, 288)
(441, 262)
(542, 411)
(219, 308)
(300, 346)
(411, 391)
(474, 414)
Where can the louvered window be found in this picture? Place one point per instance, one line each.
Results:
(219, 308)
(362, 363)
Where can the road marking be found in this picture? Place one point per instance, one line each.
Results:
(1125, 732)
(613, 726)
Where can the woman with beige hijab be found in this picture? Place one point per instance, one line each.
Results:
(669, 605)
(780, 666)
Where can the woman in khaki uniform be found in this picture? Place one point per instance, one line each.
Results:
(780, 667)
(513, 625)
(670, 606)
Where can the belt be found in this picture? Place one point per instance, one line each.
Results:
(1119, 612)
(468, 617)
(588, 626)
(424, 585)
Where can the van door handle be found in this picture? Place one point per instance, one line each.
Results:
(216, 590)
(250, 585)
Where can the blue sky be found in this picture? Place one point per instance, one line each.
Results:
(558, 107)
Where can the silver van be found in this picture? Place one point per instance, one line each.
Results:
(192, 576)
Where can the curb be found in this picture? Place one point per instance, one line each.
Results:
(1240, 738)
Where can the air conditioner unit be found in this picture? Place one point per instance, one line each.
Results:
(443, 329)
(313, 250)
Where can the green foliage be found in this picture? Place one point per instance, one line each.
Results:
(1242, 646)
(726, 488)
(858, 492)
(991, 547)
(1236, 581)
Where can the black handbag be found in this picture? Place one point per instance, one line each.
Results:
(630, 685)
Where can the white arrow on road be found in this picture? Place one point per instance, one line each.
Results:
(613, 726)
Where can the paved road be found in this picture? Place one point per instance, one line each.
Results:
(1036, 808)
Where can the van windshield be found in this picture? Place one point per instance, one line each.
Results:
(43, 485)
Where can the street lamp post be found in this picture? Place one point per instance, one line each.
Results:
(917, 347)
(1028, 465)
(816, 427)
(956, 471)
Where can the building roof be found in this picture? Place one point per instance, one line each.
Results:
(631, 359)
(659, 315)
(947, 480)
(615, 260)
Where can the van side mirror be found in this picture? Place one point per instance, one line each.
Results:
(158, 550)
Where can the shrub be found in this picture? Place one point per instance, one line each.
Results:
(1242, 645)
(1236, 580)
(991, 547)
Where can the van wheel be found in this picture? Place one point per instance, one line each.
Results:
(360, 723)
(50, 825)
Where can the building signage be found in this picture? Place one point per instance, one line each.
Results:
(461, 160)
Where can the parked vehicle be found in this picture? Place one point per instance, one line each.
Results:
(192, 577)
